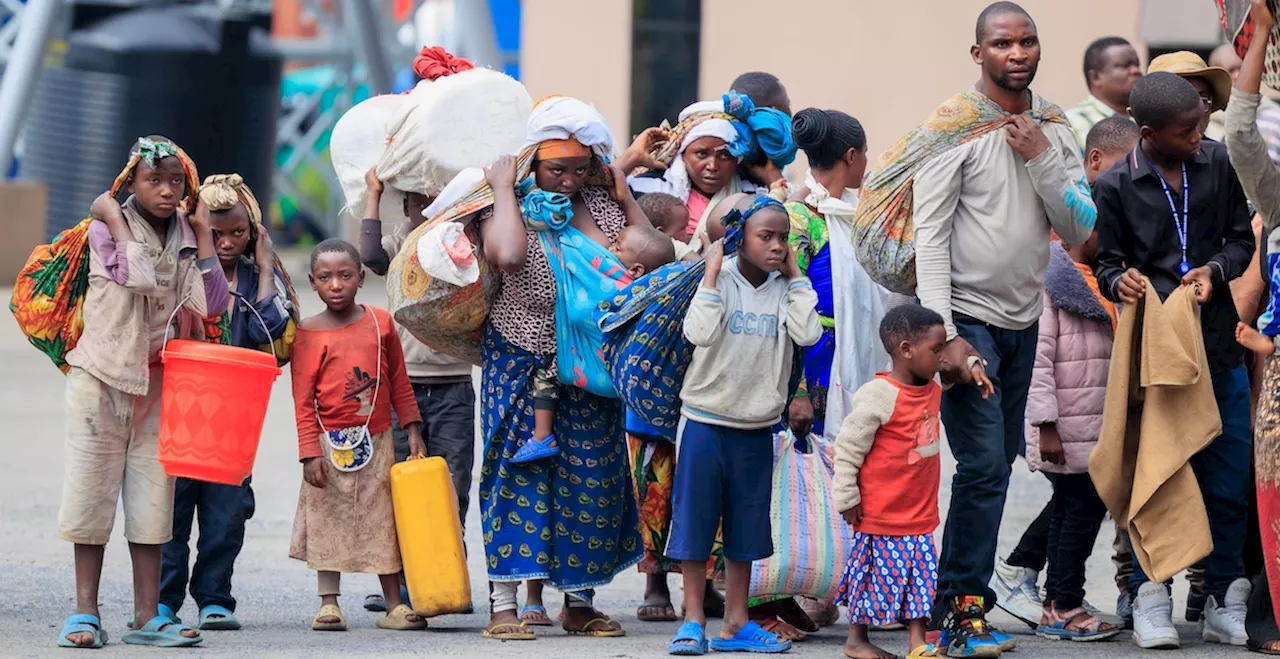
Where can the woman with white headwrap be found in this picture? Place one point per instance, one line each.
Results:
(706, 148)
(572, 524)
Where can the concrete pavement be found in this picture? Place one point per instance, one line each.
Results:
(276, 594)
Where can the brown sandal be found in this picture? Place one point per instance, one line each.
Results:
(510, 631)
(606, 627)
(329, 611)
(399, 619)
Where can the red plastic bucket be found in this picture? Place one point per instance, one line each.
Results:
(212, 407)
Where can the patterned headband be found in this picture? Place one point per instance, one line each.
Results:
(151, 151)
(735, 221)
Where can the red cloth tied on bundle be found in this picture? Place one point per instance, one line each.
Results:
(435, 62)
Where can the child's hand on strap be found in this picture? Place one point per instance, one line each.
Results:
(199, 220)
(313, 472)
(853, 516)
(106, 208)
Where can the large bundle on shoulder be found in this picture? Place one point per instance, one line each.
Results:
(48, 298)
(473, 118)
(645, 350)
(415, 150)
(884, 231)
(1238, 27)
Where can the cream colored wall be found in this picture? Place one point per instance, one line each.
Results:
(876, 61)
(866, 57)
(580, 48)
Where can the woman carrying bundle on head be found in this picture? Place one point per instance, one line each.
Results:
(573, 522)
(261, 314)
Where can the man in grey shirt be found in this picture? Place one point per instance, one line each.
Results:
(983, 211)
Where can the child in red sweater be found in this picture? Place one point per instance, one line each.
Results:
(887, 471)
(348, 375)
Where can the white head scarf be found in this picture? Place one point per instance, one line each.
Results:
(561, 117)
(677, 175)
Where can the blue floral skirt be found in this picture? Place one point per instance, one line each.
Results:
(569, 520)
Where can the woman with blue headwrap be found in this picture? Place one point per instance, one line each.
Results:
(706, 148)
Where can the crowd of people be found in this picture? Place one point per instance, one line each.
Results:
(1055, 311)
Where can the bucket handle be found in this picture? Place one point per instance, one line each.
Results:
(265, 330)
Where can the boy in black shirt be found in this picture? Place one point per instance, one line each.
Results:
(1174, 213)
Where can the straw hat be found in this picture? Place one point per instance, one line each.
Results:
(1189, 65)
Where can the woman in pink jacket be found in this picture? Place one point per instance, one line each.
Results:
(1064, 417)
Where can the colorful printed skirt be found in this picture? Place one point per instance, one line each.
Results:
(569, 520)
(889, 579)
(1266, 459)
(653, 468)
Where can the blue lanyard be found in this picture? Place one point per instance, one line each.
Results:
(1179, 222)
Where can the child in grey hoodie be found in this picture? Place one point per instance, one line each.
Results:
(751, 311)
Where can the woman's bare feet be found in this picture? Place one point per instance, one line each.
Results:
(657, 605)
(1254, 340)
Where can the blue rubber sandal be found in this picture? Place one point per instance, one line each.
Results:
(690, 641)
(216, 618)
(83, 623)
(751, 638)
(163, 610)
(161, 632)
(536, 449)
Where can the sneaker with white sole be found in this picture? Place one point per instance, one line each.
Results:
(1225, 623)
(1153, 619)
(1016, 592)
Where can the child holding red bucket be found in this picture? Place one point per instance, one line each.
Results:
(256, 280)
(348, 374)
(152, 275)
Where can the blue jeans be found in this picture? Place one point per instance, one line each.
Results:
(1226, 483)
(985, 436)
(223, 510)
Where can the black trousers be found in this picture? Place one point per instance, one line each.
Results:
(1073, 528)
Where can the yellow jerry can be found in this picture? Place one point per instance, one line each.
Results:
(435, 563)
